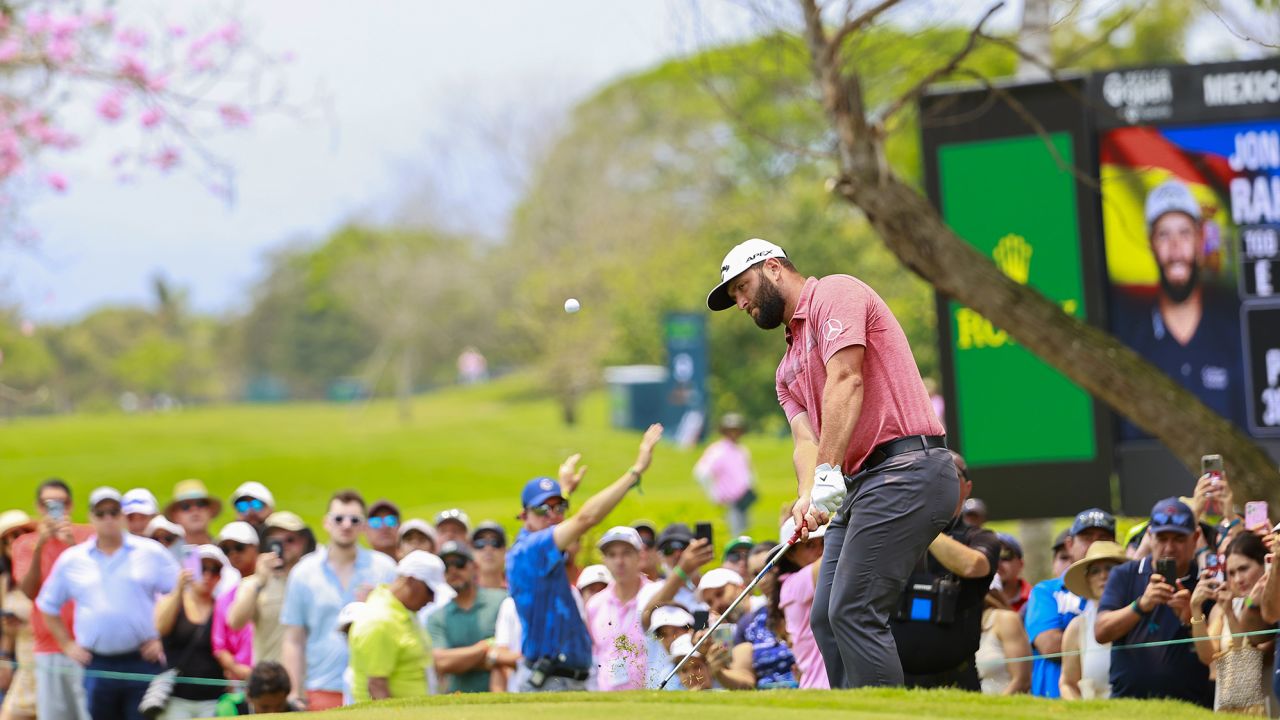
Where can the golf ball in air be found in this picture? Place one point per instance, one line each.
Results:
(571, 305)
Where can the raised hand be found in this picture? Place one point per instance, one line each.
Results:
(645, 456)
(570, 474)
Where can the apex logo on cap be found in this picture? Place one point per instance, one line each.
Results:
(545, 485)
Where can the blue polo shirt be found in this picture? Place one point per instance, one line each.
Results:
(1051, 607)
(539, 584)
(1210, 365)
(1167, 671)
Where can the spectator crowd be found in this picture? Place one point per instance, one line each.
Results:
(155, 610)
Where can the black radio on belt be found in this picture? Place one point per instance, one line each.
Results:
(929, 602)
(548, 667)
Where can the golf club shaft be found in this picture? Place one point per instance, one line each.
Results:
(778, 552)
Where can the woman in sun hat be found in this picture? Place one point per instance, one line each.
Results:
(17, 641)
(1086, 665)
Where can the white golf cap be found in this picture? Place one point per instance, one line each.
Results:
(456, 515)
(683, 646)
(593, 574)
(102, 495)
(211, 552)
(622, 533)
(253, 489)
(161, 522)
(735, 263)
(139, 501)
(1171, 196)
(789, 528)
(421, 526)
(669, 616)
(426, 568)
(238, 531)
(349, 614)
(716, 579)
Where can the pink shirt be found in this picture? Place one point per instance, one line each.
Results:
(796, 600)
(617, 640)
(237, 642)
(837, 312)
(727, 465)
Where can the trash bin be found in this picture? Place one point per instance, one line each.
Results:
(636, 395)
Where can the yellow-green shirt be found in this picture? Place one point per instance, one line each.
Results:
(386, 641)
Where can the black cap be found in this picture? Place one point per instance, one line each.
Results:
(490, 526)
(382, 505)
(453, 547)
(1094, 518)
(675, 532)
(1061, 540)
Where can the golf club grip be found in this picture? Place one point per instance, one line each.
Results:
(773, 559)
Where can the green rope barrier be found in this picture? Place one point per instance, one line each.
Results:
(139, 677)
(1135, 646)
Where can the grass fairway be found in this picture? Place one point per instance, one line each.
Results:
(774, 705)
(470, 448)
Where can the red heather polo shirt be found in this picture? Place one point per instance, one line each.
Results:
(832, 314)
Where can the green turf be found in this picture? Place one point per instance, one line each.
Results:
(471, 448)
(773, 705)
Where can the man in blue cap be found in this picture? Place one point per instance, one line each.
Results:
(557, 645)
(1052, 606)
(1140, 605)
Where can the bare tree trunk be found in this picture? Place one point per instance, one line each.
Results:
(1035, 40)
(914, 231)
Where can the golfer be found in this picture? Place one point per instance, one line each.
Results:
(870, 455)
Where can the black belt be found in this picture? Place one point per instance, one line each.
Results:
(911, 443)
(564, 671)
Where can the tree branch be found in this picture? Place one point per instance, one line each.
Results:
(1232, 30)
(970, 44)
(852, 26)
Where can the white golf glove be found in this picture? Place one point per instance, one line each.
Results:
(828, 488)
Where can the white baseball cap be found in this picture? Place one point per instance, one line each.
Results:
(238, 531)
(789, 528)
(253, 489)
(669, 616)
(622, 533)
(161, 522)
(421, 526)
(349, 614)
(139, 501)
(103, 494)
(592, 574)
(212, 552)
(425, 568)
(683, 646)
(716, 579)
(1171, 196)
(735, 263)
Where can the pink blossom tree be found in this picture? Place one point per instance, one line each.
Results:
(75, 72)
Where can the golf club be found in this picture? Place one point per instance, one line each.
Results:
(773, 559)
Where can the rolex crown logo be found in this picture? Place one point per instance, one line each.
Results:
(1013, 256)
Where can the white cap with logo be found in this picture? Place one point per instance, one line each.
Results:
(1171, 196)
(593, 574)
(139, 501)
(735, 263)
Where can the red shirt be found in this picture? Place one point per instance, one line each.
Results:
(837, 312)
(1024, 594)
(23, 551)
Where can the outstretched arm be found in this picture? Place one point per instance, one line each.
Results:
(598, 507)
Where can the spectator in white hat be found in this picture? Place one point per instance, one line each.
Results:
(696, 673)
(234, 648)
(453, 525)
(717, 590)
(253, 504)
(592, 580)
(260, 596)
(665, 624)
(168, 533)
(183, 619)
(390, 654)
(613, 614)
(115, 627)
(417, 534)
(139, 506)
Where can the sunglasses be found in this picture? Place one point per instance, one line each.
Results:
(233, 547)
(383, 521)
(100, 514)
(1006, 556)
(456, 562)
(672, 548)
(734, 557)
(547, 508)
(1164, 518)
(250, 505)
(165, 539)
(482, 543)
(213, 569)
(648, 542)
(289, 539)
(189, 505)
(352, 520)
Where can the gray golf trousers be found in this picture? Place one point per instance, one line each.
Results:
(888, 519)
